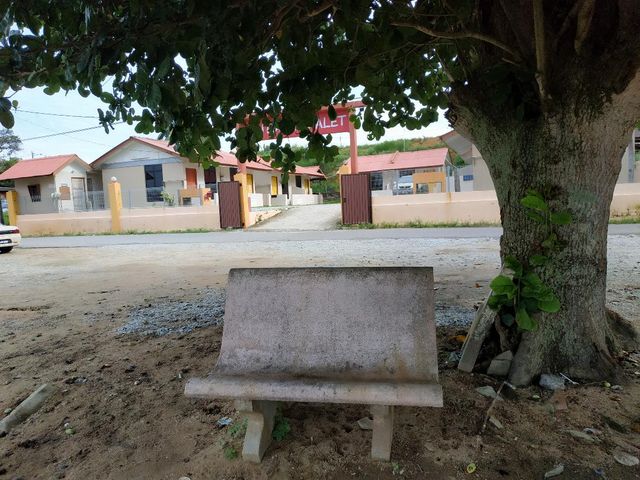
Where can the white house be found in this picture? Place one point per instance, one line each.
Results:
(53, 184)
(151, 173)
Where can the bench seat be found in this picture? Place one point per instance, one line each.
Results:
(276, 388)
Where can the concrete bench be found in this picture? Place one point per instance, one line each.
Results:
(337, 335)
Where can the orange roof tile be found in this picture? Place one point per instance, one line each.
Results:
(434, 157)
(40, 167)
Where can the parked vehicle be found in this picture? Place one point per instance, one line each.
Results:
(9, 237)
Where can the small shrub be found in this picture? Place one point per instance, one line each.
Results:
(230, 453)
(281, 428)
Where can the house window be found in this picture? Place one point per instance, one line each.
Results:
(376, 181)
(405, 173)
(298, 181)
(153, 182)
(422, 188)
(34, 192)
(467, 178)
(232, 172)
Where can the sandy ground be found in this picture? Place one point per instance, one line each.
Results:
(122, 393)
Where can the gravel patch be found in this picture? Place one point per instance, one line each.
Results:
(454, 316)
(176, 316)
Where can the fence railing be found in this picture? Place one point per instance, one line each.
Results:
(161, 197)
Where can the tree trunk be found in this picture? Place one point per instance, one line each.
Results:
(574, 163)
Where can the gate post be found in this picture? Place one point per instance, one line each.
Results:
(13, 207)
(115, 204)
(245, 208)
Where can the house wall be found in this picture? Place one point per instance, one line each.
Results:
(63, 178)
(45, 205)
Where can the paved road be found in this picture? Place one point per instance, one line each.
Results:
(307, 217)
(265, 236)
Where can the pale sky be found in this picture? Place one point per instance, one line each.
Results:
(91, 144)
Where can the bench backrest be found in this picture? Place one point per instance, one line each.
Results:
(354, 323)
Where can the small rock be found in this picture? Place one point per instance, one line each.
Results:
(551, 382)
(583, 436)
(136, 383)
(184, 478)
(7, 411)
(130, 368)
(617, 387)
(224, 421)
(495, 422)
(501, 364)
(69, 431)
(606, 384)
(487, 391)
(557, 470)
(592, 431)
(365, 423)
(626, 459)
(454, 357)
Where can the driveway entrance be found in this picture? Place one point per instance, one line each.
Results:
(304, 217)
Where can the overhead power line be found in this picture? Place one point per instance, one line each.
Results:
(56, 114)
(65, 133)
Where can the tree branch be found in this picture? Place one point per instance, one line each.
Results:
(460, 35)
(541, 54)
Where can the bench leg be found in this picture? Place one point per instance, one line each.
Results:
(382, 432)
(260, 418)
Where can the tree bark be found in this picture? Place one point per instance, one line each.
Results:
(574, 162)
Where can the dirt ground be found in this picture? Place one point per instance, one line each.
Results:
(119, 411)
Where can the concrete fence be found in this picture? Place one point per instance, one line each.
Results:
(473, 207)
(98, 221)
(169, 219)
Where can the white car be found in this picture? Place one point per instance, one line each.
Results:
(9, 238)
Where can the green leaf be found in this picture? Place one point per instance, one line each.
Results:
(524, 321)
(332, 112)
(514, 265)
(538, 260)
(534, 202)
(551, 305)
(6, 119)
(561, 218)
(503, 285)
(535, 216)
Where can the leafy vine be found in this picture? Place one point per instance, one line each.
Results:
(519, 293)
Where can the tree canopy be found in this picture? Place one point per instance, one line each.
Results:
(200, 68)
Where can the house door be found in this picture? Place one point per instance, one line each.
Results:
(274, 186)
(355, 198)
(192, 177)
(229, 204)
(79, 194)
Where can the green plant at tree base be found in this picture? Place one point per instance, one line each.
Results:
(281, 428)
(519, 292)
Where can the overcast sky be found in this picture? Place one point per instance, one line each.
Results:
(91, 144)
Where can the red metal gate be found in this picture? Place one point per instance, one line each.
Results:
(355, 198)
(229, 204)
